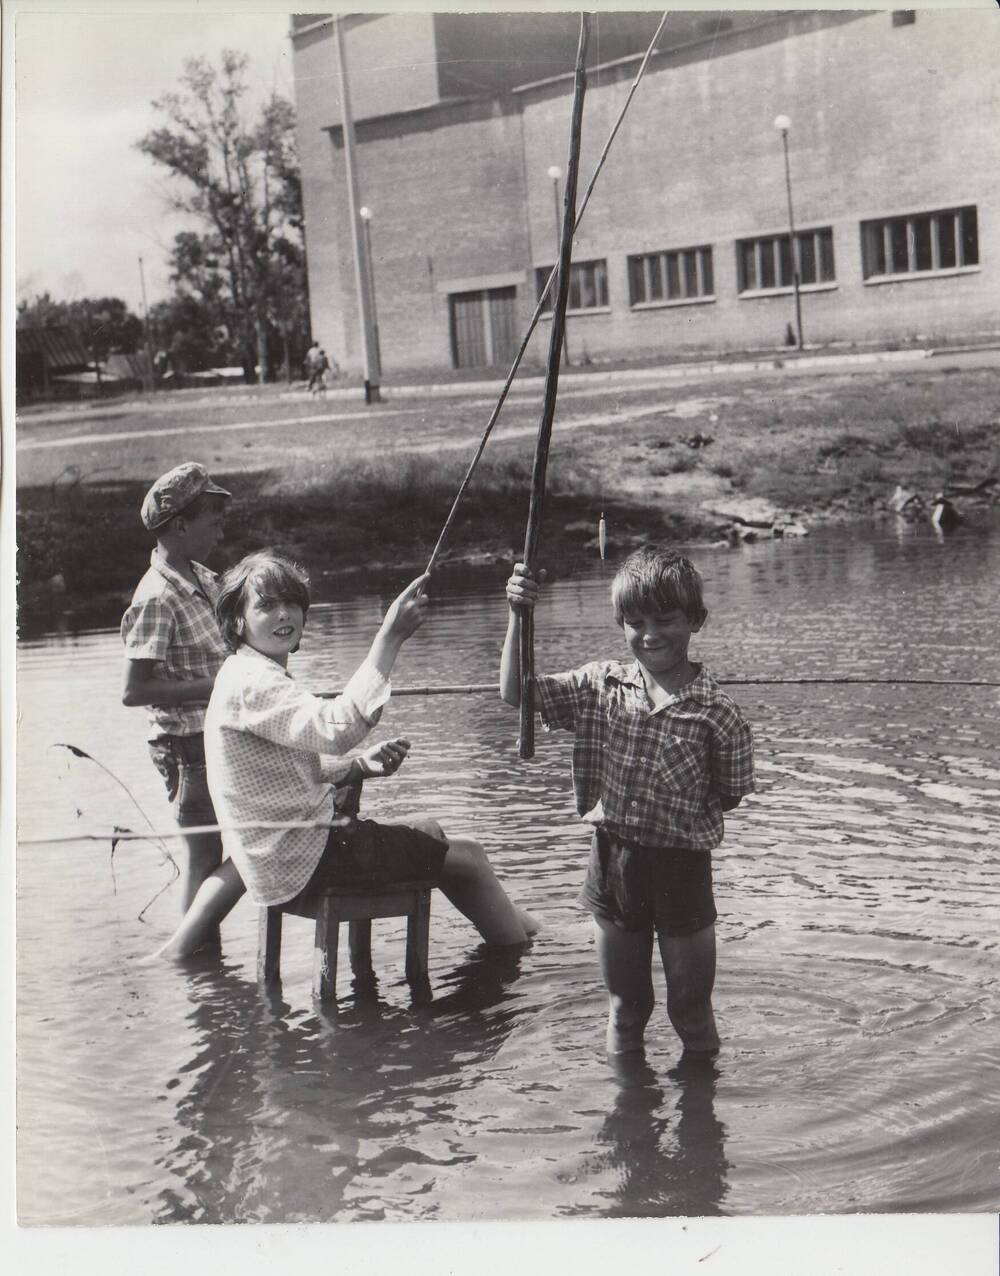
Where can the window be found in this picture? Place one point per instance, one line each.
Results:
(920, 243)
(588, 286)
(765, 264)
(683, 274)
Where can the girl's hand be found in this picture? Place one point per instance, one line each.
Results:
(522, 588)
(383, 759)
(408, 612)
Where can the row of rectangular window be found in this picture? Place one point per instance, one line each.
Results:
(918, 243)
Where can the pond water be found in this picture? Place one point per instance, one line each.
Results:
(858, 957)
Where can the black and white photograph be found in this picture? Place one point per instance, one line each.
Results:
(501, 558)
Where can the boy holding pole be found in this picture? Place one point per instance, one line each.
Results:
(660, 753)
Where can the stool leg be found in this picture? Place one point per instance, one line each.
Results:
(325, 952)
(269, 946)
(359, 940)
(418, 931)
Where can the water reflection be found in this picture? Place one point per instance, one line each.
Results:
(665, 1143)
(858, 963)
(291, 1116)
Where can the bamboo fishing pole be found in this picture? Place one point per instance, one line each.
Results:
(495, 414)
(525, 619)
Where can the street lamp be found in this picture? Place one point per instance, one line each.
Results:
(782, 123)
(366, 215)
(555, 174)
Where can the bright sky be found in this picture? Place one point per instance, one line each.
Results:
(88, 204)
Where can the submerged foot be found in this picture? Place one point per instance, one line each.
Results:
(531, 924)
(177, 952)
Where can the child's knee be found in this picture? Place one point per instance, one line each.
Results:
(466, 857)
(427, 824)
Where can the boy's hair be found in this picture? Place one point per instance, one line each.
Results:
(652, 580)
(272, 576)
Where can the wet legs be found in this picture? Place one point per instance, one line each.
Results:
(199, 926)
(625, 959)
(468, 880)
(689, 965)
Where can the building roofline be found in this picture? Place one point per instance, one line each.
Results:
(630, 58)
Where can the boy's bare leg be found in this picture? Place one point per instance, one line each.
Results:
(200, 924)
(689, 965)
(468, 880)
(625, 958)
(203, 857)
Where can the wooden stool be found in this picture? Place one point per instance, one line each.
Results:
(357, 907)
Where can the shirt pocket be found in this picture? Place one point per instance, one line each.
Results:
(680, 765)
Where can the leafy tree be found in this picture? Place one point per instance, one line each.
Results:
(242, 182)
(185, 330)
(103, 325)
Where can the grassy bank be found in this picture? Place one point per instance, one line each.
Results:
(372, 498)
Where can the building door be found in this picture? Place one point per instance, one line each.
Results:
(483, 331)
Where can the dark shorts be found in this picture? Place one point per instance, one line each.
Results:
(637, 886)
(375, 856)
(180, 759)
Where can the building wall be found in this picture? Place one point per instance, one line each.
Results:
(447, 192)
(885, 120)
(876, 130)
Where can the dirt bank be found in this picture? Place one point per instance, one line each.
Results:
(357, 502)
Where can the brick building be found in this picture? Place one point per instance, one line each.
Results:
(461, 118)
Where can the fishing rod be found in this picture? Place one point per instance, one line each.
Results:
(523, 619)
(536, 315)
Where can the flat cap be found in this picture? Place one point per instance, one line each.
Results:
(174, 491)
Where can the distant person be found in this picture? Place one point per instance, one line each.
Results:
(320, 366)
(276, 753)
(174, 649)
(314, 371)
(660, 753)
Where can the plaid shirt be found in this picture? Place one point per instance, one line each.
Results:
(172, 623)
(648, 775)
(271, 750)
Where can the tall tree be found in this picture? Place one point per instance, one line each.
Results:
(242, 182)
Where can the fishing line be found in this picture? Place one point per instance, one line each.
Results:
(481, 688)
(494, 416)
(128, 835)
(118, 835)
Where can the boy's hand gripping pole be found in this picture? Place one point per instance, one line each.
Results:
(525, 620)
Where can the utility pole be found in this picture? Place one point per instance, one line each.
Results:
(362, 267)
(150, 373)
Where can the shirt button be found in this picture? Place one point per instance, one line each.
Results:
(634, 802)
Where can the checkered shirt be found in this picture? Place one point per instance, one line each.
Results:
(172, 623)
(271, 751)
(649, 775)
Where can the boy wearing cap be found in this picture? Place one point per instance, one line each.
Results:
(173, 650)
